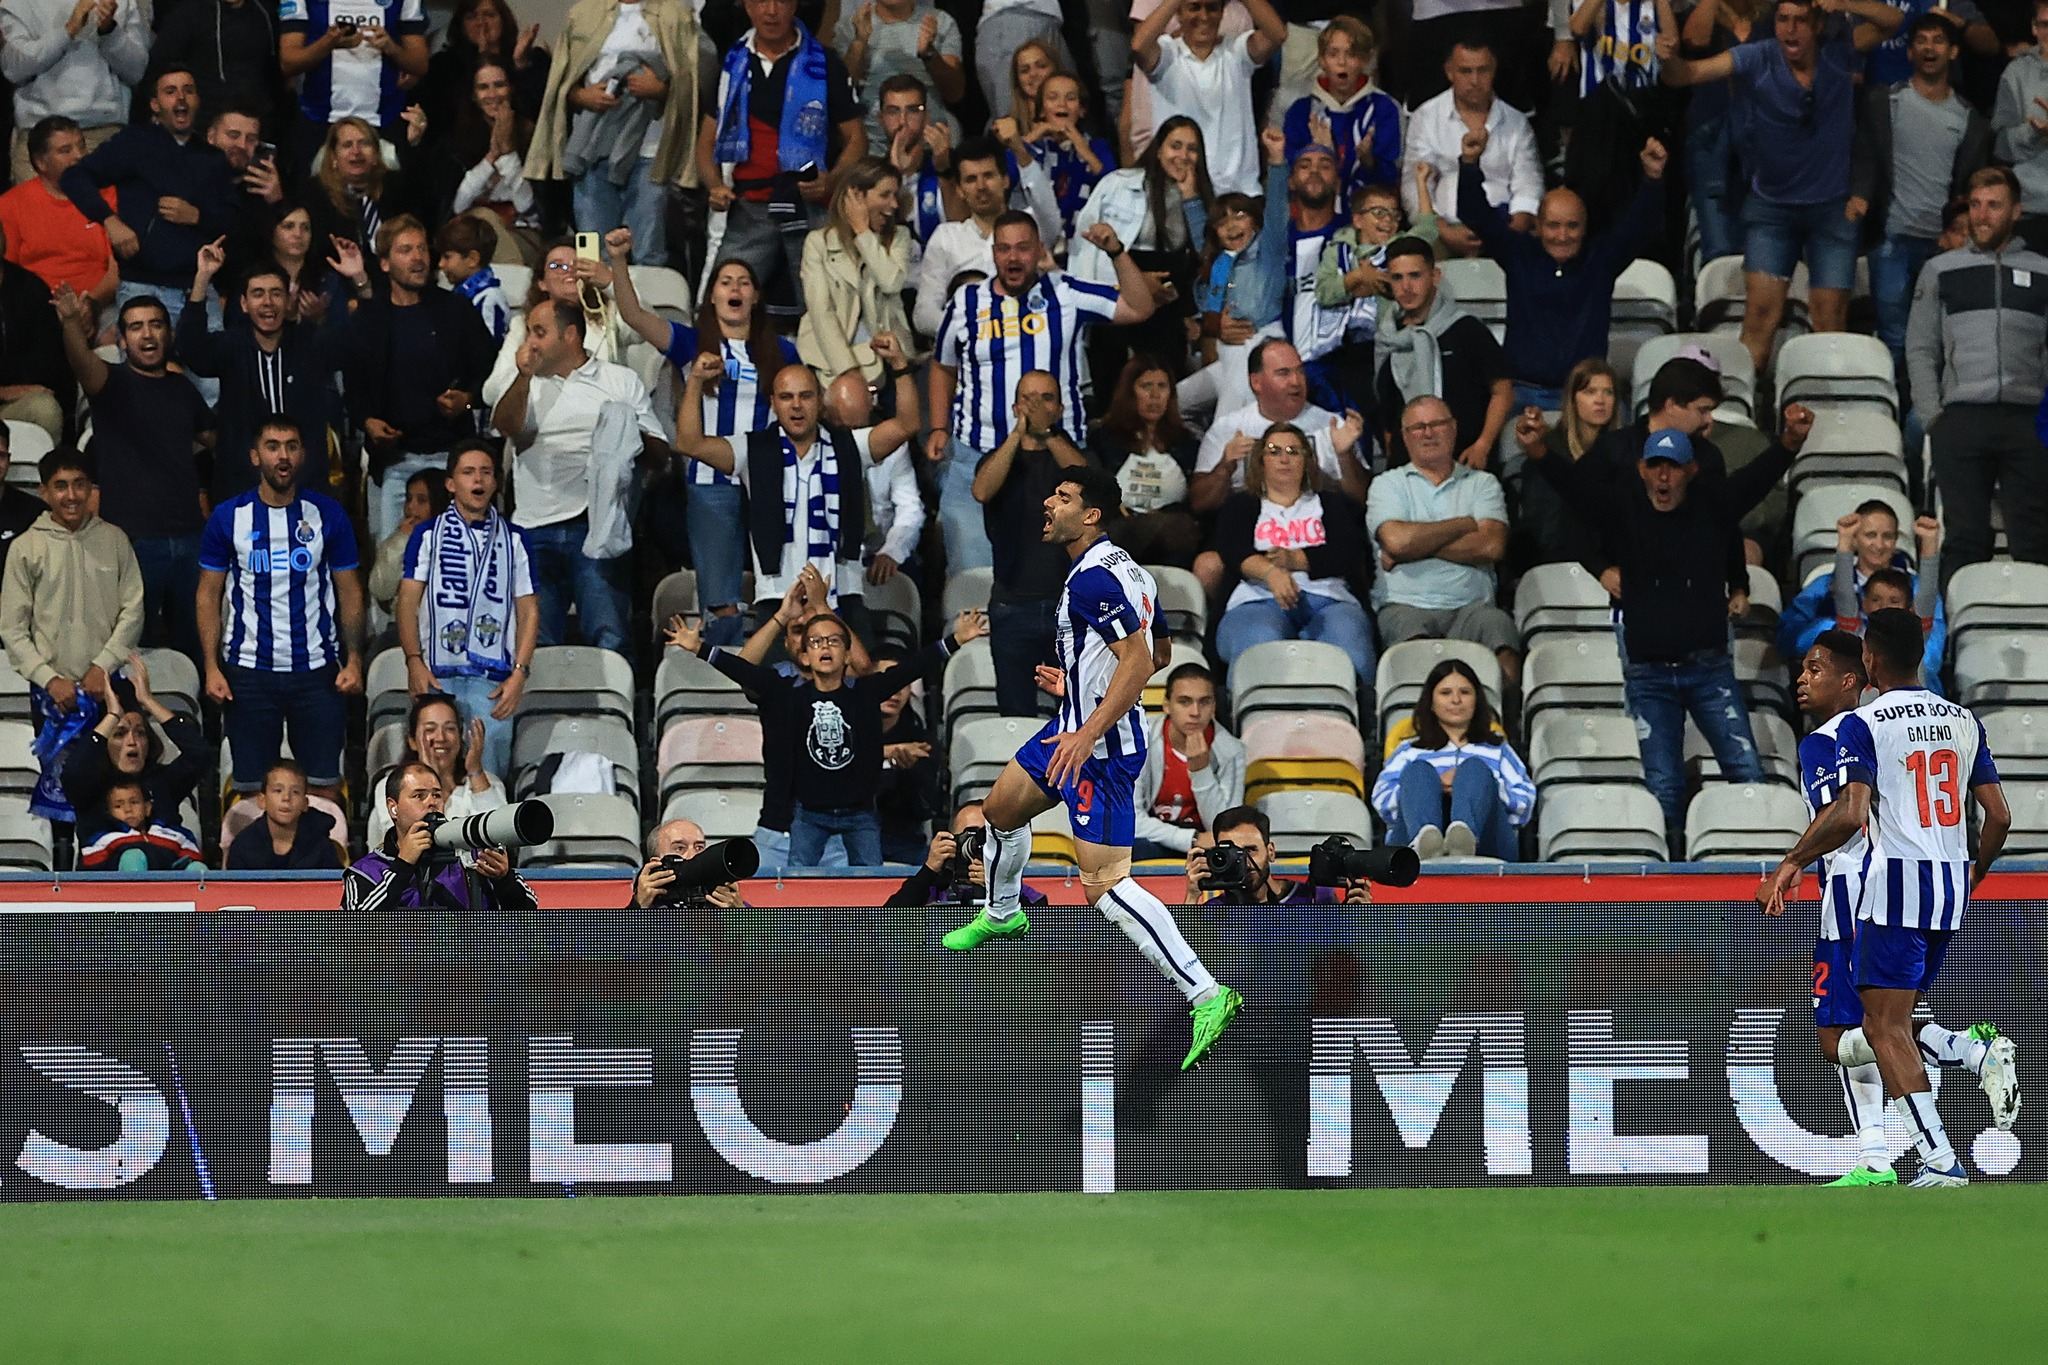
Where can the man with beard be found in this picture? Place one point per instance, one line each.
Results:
(984, 190)
(146, 420)
(1431, 348)
(264, 363)
(172, 191)
(291, 645)
(1316, 331)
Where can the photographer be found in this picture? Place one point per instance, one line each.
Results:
(654, 887)
(1247, 828)
(409, 873)
(952, 871)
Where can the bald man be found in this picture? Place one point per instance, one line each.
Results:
(676, 839)
(1560, 278)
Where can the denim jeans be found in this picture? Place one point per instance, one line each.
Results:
(170, 593)
(1020, 637)
(473, 697)
(960, 518)
(387, 498)
(1894, 266)
(1334, 622)
(1660, 696)
(1716, 192)
(809, 829)
(267, 705)
(561, 571)
(640, 204)
(718, 547)
(1474, 799)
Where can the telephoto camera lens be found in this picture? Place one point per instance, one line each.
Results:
(515, 826)
(1336, 861)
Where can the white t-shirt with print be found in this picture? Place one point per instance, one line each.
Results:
(1299, 527)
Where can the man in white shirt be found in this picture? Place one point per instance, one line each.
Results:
(1208, 78)
(564, 415)
(1279, 394)
(1511, 165)
(963, 246)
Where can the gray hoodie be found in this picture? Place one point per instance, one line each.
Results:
(87, 77)
(70, 600)
(1977, 328)
(2024, 80)
(1219, 785)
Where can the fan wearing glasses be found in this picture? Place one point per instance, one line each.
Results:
(1800, 94)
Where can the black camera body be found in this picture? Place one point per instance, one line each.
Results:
(1336, 861)
(729, 860)
(969, 846)
(1230, 868)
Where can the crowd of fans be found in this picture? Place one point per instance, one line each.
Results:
(942, 256)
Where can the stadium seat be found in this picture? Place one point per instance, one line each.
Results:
(1838, 370)
(666, 292)
(540, 734)
(590, 829)
(981, 747)
(2028, 802)
(1820, 506)
(1289, 751)
(1777, 748)
(1757, 820)
(1303, 819)
(1581, 671)
(1292, 675)
(968, 588)
(578, 680)
(1766, 605)
(516, 281)
(721, 815)
(969, 688)
(19, 768)
(686, 685)
(173, 679)
(1404, 668)
(1480, 287)
(2019, 742)
(674, 595)
(1738, 371)
(386, 749)
(1850, 445)
(896, 609)
(1183, 606)
(719, 752)
(1561, 597)
(27, 443)
(386, 687)
(2002, 595)
(1052, 837)
(25, 844)
(1153, 699)
(1579, 746)
(2002, 668)
(14, 697)
(1763, 675)
(1590, 821)
(1645, 305)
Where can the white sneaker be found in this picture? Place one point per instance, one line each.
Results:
(1429, 843)
(1460, 841)
(1931, 1179)
(2000, 1081)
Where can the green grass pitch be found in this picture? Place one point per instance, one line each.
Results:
(1637, 1275)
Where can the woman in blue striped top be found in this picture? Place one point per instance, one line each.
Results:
(1456, 789)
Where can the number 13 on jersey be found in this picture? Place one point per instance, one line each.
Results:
(1937, 786)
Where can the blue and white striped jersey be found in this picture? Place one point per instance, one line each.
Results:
(353, 82)
(737, 407)
(1108, 596)
(1921, 756)
(1625, 49)
(1842, 872)
(280, 562)
(990, 339)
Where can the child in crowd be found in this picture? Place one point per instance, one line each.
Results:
(1346, 112)
(291, 837)
(129, 838)
(1073, 160)
(1241, 286)
(464, 246)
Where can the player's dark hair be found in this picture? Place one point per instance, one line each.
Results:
(266, 269)
(1894, 639)
(1238, 817)
(124, 784)
(1684, 381)
(1255, 359)
(1845, 651)
(278, 421)
(1890, 578)
(1199, 672)
(1098, 489)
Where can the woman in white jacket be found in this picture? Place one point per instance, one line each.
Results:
(854, 271)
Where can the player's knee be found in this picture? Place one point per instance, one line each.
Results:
(1097, 891)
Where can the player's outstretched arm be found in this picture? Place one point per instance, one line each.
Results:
(1997, 821)
(1836, 824)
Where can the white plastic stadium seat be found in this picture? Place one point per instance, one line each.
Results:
(1838, 369)
(1561, 597)
(1850, 445)
(721, 815)
(1480, 287)
(1743, 820)
(1738, 370)
(1293, 675)
(1645, 305)
(674, 595)
(173, 679)
(589, 829)
(1303, 819)
(516, 281)
(27, 443)
(719, 752)
(1590, 821)
(981, 747)
(24, 838)
(969, 688)
(19, 770)
(2002, 594)
(542, 734)
(387, 748)
(1584, 746)
(1777, 749)
(2000, 668)
(664, 291)
(685, 685)
(896, 608)
(579, 679)
(1577, 671)
(2019, 741)
(2029, 804)
(1820, 506)
(386, 688)
(1765, 679)
(1183, 608)
(1405, 667)
(968, 588)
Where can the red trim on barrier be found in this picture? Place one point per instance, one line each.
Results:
(180, 893)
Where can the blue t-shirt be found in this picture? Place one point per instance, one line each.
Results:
(1799, 136)
(1889, 62)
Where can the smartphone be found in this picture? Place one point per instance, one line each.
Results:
(589, 246)
(266, 151)
(346, 25)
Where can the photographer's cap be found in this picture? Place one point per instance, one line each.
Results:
(1674, 446)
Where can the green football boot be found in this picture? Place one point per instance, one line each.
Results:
(1862, 1175)
(1211, 1017)
(981, 929)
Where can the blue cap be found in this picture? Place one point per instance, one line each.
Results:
(1674, 446)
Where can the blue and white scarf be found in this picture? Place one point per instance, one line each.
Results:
(56, 732)
(466, 625)
(821, 517)
(930, 203)
(801, 141)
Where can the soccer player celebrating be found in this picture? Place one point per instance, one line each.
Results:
(1900, 766)
(1089, 757)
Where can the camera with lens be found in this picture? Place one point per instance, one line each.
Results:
(968, 847)
(516, 826)
(729, 860)
(1336, 861)
(1229, 868)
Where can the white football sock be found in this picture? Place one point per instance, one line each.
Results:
(1950, 1048)
(1863, 1090)
(1147, 923)
(1002, 862)
(1854, 1050)
(1924, 1123)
